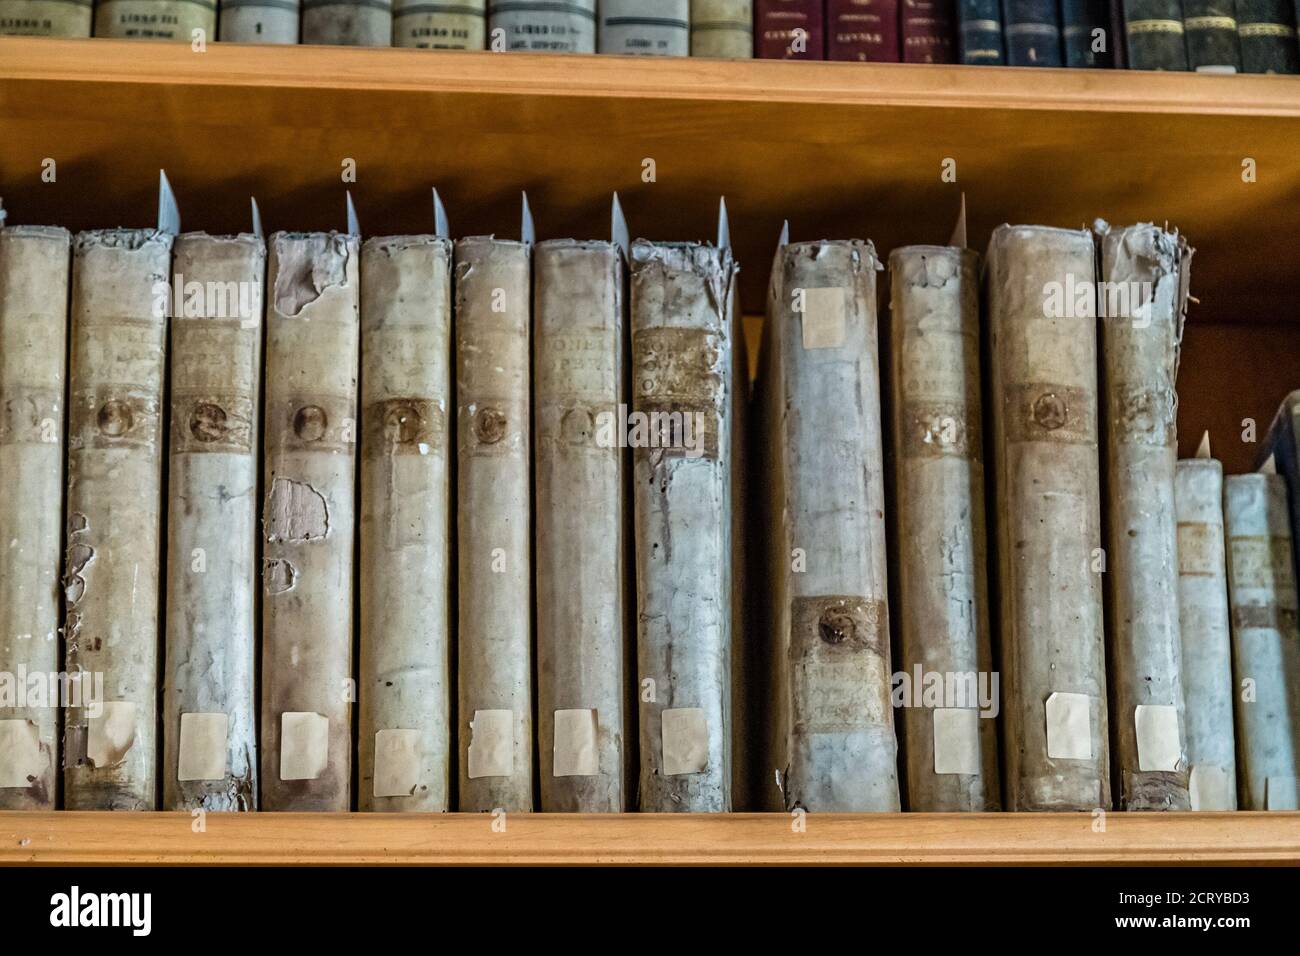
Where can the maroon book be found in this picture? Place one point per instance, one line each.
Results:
(929, 31)
(862, 30)
(789, 30)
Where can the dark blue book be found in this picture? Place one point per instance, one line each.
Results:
(1086, 33)
(980, 32)
(1032, 29)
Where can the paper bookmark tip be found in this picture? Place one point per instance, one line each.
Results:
(724, 226)
(169, 214)
(527, 232)
(783, 240)
(257, 217)
(1203, 449)
(1269, 467)
(959, 230)
(440, 227)
(618, 233)
(354, 226)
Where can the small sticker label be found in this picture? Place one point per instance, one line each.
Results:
(823, 318)
(685, 740)
(397, 762)
(1210, 788)
(203, 747)
(956, 740)
(21, 764)
(110, 735)
(1159, 746)
(492, 744)
(304, 745)
(1069, 726)
(575, 754)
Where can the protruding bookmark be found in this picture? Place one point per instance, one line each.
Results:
(527, 234)
(3, 214)
(257, 217)
(618, 233)
(169, 214)
(1203, 449)
(354, 227)
(959, 231)
(783, 240)
(440, 227)
(1269, 467)
(724, 227)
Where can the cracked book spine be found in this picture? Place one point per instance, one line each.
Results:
(723, 29)
(645, 27)
(405, 674)
(1047, 485)
(685, 374)
(259, 21)
(1265, 642)
(34, 270)
(209, 708)
(1142, 302)
(187, 21)
(583, 527)
(440, 25)
(951, 744)
(832, 745)
(495, 721)
(111, 571)
(543, 26)
(46, 18)
(308, 490)
(347, 22)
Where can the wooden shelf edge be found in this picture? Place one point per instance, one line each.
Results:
(683, 78)
(70, 838)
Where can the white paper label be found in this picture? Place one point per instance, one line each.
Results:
(1282, 793)
(1210, 788)
(823, 318)
(397, 762)
(956, 740)
(203, 747)
(1069, 726)
(1159, 747)
(21, 764)
(686, 741)
(575, 744)
(492, 744)
(110, 735)
(304, 745)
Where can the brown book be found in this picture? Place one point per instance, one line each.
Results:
(789, 30)
(863, 30)
(929, 31)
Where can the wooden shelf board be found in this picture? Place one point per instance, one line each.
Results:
(647, 839)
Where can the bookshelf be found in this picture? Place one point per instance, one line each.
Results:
(840, 149)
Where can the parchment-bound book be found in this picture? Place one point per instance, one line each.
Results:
(347, 22)
(645, 27)
(951, 739)
(722, 29)
(494, 526)
(687, 374)
(46, 18)
(308, 520)
(183, 20)
(34, 271)
(440, 24)
(1265, 642)
(829, 713)
(405, 745)
(209, 685)
(1046, 482)
(1143, 303)
(111, 572)
(543, 26)
(584, 598)
(259, 21)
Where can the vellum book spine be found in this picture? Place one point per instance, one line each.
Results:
(722, 29)
(583, 528)
(1204, 632)
(1148, 267)
(259, 21)
(831, 719)
(111, 569)
(1047, 483)
(684, 370)
(493, 490)
(405, 689)
(440, 24)
(645, 27)
(308, 519)
(209, 687)
(34, 270)
(184, 20)
(1265, 643)
(951, 745)
(348, 22)
(544, 26)
(46, 18)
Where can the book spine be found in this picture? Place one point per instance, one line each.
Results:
(209, 710)
(1085, 34)
(34, 269)
(440, 24)
(1267, 32)
(645, 27)
(789, 30)
(1265, 643)
(46, 18)
(1116, 38)
(1210, 28)
(1032, 30)
(981, 32)
(308, 521)
(683, 372)
(1144, 269)
(156, 19)
(722, 29)
(544, 26)
(1046, 479)
(1154, 32)
(404, 748)
(111, 569)
(347, 22)
(1204, 630)
(929, 29)
(583, 528)
(952, 757)
(863, 30)
(260, 21)
(494, 527)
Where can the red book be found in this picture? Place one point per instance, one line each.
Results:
(929, 31)
(862, 30)
(789, 30)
